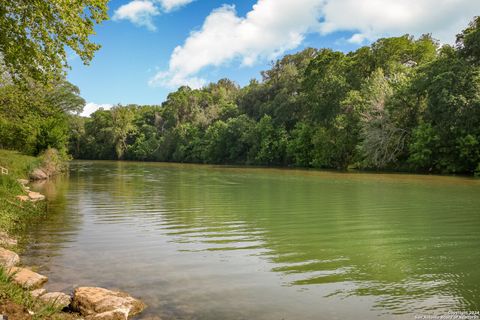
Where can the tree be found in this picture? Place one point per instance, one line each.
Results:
(122, 126)
(66, 97)
(325, 85)
(300, 146)
(77, 133)
(382, 140)
(270, 143)
(35, 34)
(34, 116)
(451, 85)
(398, 104)
(468, 42)
(98, 141)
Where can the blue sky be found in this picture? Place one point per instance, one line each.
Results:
(139, 62)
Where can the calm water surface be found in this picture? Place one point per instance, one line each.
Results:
(204, 242)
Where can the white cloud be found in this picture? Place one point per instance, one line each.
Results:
(275, 26)
(370, 19)
(169, 5)
(92, 107)
(271, 28)
(139, 12)
(171, 80)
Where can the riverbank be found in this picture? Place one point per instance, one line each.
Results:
(15, 215)
(21, 292)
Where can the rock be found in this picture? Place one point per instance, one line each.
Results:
(37, 292)
(8, 258)
(6, 240)
(110, 315)
(58, 299)
(100, 303)
(23, 182)
(23, 198)
(38, 174)
(27, 278)
(36, 196)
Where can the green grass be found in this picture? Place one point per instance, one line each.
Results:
(14, 215)
(18, 165)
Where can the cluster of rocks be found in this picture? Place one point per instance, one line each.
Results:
(31, 195)
(92, 303)
(25, 277)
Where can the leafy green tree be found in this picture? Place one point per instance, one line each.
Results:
(144, 142)
(451, 85)
(52, 133)
(270, 143)
(122, 126)
(34, 116)
(326, 85)
(99, 136)
(35, 35)
(335, 147)
(468, 41)
(423, 147)
(77, 133)
(300, 146)
(229, 142)
(65, 97)
(188, 144)
(216, 143)
(389, 54)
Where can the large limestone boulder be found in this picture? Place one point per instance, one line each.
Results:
(6, 240)
(8, 258)
(58, 299)
(36, 196)
(27, 278)
(38, 174)
(103, 304)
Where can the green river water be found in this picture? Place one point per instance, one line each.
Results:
(206, 242)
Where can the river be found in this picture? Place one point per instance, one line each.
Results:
(210, 242)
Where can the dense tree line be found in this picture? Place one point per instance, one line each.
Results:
(399, 104)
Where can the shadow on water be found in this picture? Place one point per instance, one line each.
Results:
(202, 242)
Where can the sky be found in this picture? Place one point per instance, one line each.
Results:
(151, 47)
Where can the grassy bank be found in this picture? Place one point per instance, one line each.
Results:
(14, 218)
(13, 214)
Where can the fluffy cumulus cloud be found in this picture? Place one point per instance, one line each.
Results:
(370, 19)
(92, 107)
(139, 12)
(275, 26)
(267, 31)
(142, 12)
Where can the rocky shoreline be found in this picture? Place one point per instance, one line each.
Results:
(90, 302)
